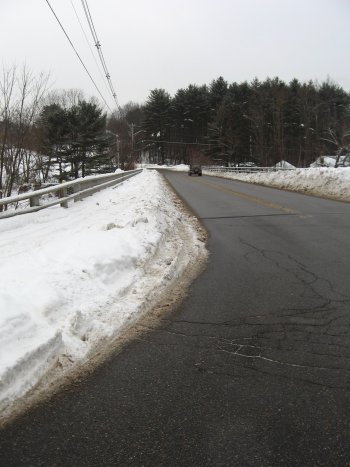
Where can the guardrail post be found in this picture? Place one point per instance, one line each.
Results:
(76, 189)
(63, 194)
(34, 201)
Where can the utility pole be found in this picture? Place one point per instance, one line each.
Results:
(132, 138)
(117, 151)
(132, 144)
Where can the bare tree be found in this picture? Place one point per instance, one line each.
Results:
(21, 97)
(67, 98)
(7, 85)
(342, 145)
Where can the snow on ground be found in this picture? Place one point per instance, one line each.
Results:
(327, 182)
(330, 161)
(177, 168)
(324, 161)
(322, 181)
(181, 167)
(72, 278)
(284, 165)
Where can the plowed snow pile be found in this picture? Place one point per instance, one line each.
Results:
(324, 181)
(73, 278)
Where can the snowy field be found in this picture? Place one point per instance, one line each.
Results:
(73, 278)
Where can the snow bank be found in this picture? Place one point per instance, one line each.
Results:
(324, 181)
(330, 161)
(324, 161)
(180, 168)
(284, 165)
(72, 278)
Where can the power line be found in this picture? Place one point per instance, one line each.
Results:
(81, 61)
(88, 43)
(99, 50)
(98, 46)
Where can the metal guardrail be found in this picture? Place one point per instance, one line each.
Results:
(75, 190)
(245, 169)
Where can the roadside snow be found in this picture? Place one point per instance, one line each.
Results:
(330, 161)
(324, 161)
(322, 181)
(327, 182)
(178, 167)
(181, 167)
(284, 165)
(72, 278)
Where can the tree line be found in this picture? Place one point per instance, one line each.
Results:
(262, 122)
(61, 135)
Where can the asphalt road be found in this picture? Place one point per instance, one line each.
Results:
(253, 369)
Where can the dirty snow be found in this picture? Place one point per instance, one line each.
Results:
(71, 278)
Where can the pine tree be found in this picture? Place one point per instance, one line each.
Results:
(75, 135)
(218, 89)
(87, 135)
(157, 120)
(54, 129)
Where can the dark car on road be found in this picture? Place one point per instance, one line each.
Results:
(195, 170)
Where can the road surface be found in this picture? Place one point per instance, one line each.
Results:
(253, 369)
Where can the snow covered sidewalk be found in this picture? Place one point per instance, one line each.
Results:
(73, 278)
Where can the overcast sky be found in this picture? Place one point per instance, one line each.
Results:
(170, 44)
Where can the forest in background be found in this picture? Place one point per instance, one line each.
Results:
(263, 122)
(61, 135)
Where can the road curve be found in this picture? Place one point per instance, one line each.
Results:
(253, 369)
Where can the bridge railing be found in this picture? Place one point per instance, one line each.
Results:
(75, 190)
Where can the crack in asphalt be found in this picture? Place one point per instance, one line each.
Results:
(297, 274)
(300, 379)
(203, 367)
(301, 335)
(312, 342)
(238, 347)
(279, 362)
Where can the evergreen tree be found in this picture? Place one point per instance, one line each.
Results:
(75, 135)
(54, 128)
(88, 140)
(262, 121)
(218, 89)
(190, 116)
(156, 124)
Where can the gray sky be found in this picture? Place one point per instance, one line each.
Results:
(167, 44)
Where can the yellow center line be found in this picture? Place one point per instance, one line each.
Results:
(254, 199)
